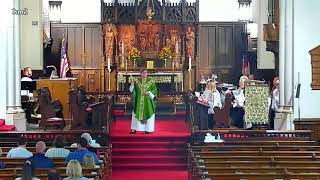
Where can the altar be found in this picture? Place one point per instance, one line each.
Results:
(166, 81)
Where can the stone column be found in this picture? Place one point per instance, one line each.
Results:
(284, 117)
(15, 115)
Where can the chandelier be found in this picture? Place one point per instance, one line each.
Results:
(150, 10)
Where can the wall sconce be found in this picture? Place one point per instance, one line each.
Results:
(245, 11)
(55, 11)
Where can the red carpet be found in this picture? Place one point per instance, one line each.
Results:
(160, 155)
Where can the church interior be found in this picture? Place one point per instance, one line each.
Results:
(160, 89)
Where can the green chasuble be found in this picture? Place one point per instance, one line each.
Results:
(143, 105)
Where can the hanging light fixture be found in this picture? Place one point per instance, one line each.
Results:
(245, 11)
(150, 10)
(55, 11)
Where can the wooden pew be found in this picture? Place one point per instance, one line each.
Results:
(258, 153)
(276, 147)
(255, 158)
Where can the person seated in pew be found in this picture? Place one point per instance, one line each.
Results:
(27, 172)
(89, 162)
(238, 105)
(2, 164)
(81, 152)
(92, 144)
(39, 160)
(74, 171)
(58, 149)
(20, 151)
(213, 96)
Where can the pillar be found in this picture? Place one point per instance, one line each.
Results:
(284, 117)
(15, 115)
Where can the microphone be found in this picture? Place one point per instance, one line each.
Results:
(54, 72)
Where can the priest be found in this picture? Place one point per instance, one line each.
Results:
(144, 92)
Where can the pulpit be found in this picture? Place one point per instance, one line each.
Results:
(59, 89)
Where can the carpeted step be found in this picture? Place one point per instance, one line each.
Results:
(148, 138)
(131, 144)
(149, 166)
(119, 174)
(148, 151)
(150, 159)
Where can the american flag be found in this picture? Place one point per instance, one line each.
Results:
(64, 65)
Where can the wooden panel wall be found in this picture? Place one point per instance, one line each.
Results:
(221, 46)
(84, 50)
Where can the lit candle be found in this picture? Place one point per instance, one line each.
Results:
(177, 47)
(108, 63)
(189, 62)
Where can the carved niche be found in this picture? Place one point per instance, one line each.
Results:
(172, 37)
(189, 41)
(127, 36)
(149, 36)
(110, 33)
(315, 62)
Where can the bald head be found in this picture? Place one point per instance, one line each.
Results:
(40, 147)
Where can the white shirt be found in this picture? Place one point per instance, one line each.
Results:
(19, 152)
(57, 152)
(214, 100)
(239, 98)
(26, 92)
(26, 78)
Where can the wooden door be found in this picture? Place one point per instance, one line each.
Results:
(221, 45)
(84, 49)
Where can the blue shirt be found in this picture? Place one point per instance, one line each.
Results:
(79, 155)
(80, 178)
(39, 160)
(19, 152)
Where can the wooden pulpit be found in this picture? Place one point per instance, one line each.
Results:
(59, 89)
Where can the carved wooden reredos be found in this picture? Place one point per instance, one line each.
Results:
(173, 25)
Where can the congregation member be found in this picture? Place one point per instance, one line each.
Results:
(74, 171)
(39, 160)
(88, 161)
(92, 144)
(20, 151)
(274, 101)
(58, 149)
(214, 100)
(27, 172)
(81, 152)
(238, 105)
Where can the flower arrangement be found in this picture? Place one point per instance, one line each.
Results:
(134, 54)
(165, 54)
